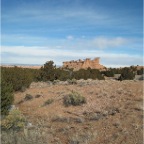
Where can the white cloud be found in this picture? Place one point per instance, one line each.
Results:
(70, 42)
(70, 37)
(103, 42)
(60, 15)
(39, 55)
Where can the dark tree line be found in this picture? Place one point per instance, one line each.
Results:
(7, 97)
(127, 73)
(140, 71)
(19, 78)
(50, 72)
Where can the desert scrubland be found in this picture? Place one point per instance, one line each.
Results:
(112, 113)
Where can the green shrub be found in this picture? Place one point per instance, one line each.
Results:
(15, 120)
(49, 101)
(141, 71)
(87, 74)
(28, 97)
(62, 74)
(7, 97)
(73, 81)
(60, 118)
(127, 74)
(74, 99)
(23, 89)
(47, 72)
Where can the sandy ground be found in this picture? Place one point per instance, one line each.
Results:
(113, 113)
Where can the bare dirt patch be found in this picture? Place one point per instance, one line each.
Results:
(113, 113)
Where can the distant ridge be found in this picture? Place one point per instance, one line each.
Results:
(16, 64)
(33, 66)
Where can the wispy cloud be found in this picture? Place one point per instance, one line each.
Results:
(41, 54)
(70, 37)
(103, 42)
(72, 17)
(78, 42)
(49, 15)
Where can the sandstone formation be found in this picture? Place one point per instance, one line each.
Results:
(83, 64)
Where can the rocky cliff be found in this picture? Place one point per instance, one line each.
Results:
(83, 64)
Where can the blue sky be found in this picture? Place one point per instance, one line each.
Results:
(36, 31)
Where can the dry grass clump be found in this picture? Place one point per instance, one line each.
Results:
(82, 137)
(15, 120)
(60, 118)
(73, 81)
(79, 120)
(56, 82)
(48, 102)
(74, 98)
(34, 136)
(138, 107)
(37, 96)
(95, 116)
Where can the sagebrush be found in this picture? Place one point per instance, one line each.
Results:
(74, 98)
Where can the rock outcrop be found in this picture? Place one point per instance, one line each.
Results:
(83, 64)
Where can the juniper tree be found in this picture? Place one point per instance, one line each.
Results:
(7, 97)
